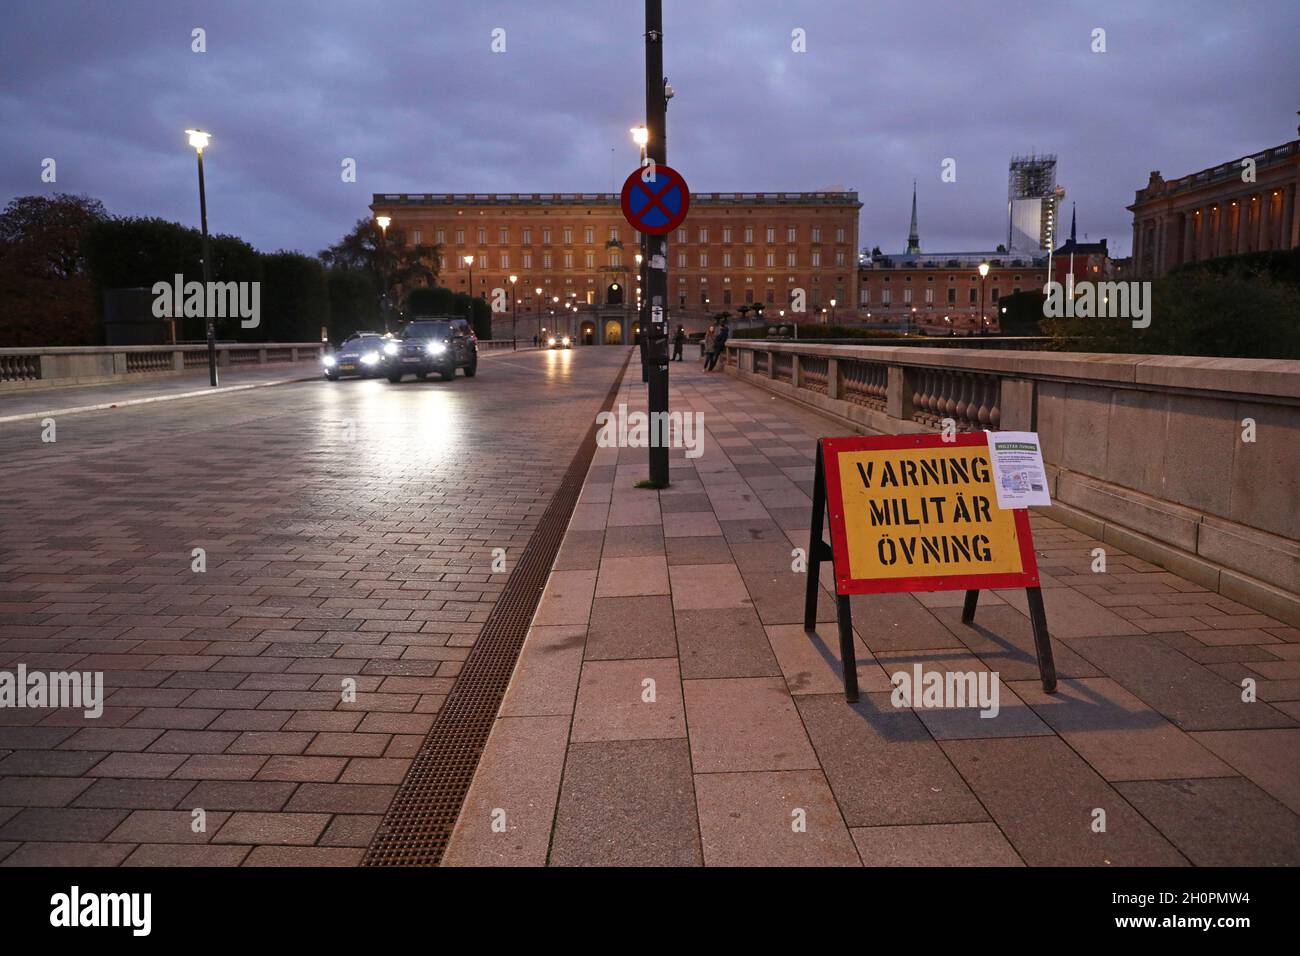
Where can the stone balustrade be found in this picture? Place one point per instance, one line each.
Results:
(1151, 453)
(87, 365)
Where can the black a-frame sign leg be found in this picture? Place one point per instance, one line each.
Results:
(819, 551)
(1042, 642)
(1038, 620)
(848, 655)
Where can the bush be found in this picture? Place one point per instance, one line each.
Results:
(1199, 312)
(295, 302)
(813, 330)
(353, 303)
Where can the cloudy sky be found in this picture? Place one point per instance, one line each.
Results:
(412, 90)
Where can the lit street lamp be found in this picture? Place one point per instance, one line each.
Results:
(384, 222)
(514, 311)
(199, 140)
(984, 271)
(538, 292)
(469, 261)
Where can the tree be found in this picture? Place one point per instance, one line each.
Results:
(367, 249)
(295, 301)
(48, 231)
(129, 253)
(353, 303)
(46, 297)
(1021, 313)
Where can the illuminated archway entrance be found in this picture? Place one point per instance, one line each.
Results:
(613, 332)
(588, 333)
(614, 294)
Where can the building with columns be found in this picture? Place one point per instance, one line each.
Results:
(1217, 211)
(734, 249)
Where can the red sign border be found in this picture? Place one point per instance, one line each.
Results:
(831, 448)
(625, 200)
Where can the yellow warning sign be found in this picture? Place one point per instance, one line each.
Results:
(919, 513)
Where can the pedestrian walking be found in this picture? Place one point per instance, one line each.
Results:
(679, 339)
(706, 345)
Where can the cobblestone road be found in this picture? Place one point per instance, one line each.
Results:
(348, 531)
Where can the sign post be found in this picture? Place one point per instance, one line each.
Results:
(655, 200)
(917, 513)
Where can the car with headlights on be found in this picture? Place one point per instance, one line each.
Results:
(559, 342)
(361, 353)
(439, 345)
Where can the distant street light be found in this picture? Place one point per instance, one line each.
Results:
(384, 222)
(514, 311)
(984, 271)
(538, 292)
(469, 261)
(199, 140)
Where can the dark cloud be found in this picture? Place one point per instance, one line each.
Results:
(412, 91)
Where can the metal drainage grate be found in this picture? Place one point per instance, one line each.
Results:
(419, 822)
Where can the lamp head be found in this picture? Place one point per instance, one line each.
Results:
(383, 222)
(469, 260)
(198, 138)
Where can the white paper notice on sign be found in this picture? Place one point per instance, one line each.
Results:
(1018, 472)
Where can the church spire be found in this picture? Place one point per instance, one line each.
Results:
(914, 236)
(1072, 215)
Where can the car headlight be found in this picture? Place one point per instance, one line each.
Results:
(370, 358)
(566, 341)
(390, 348)
(436, 348)
(329, 361)
(550, 341)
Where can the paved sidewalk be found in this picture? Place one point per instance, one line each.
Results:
(668, 707)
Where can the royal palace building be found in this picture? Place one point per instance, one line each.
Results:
(733, 249)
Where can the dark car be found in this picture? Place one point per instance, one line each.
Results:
(559, 342)
(439, 345)
(361, 353)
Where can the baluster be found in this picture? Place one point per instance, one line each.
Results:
(983, 413)
(949, 389)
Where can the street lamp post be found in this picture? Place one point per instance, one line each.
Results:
(655, 248)
(538, 292)
(984, 271)
(514, 312)
(832, 311)
(469, 261)
(199, 140)
(384, 222)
